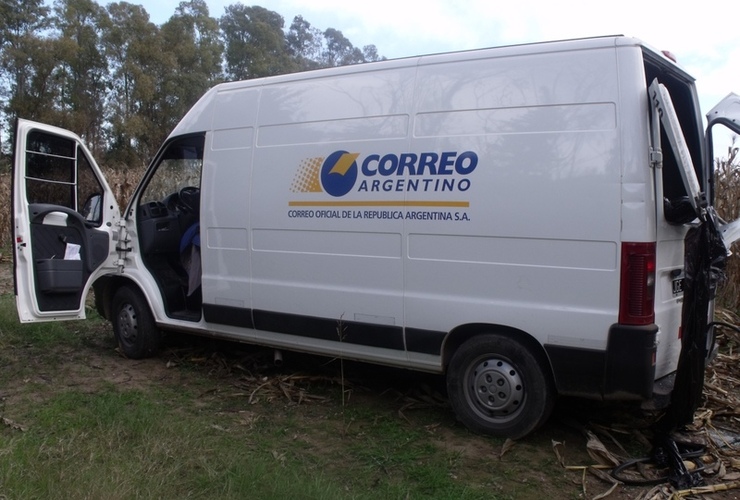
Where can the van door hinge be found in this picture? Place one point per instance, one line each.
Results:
(123, 245)
(656, 158)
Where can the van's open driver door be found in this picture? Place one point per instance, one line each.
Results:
(65, 223)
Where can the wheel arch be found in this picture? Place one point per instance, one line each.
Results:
(105, 289)
(461, 334)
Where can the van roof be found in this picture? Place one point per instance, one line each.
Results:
(471, 54)
(431, 59)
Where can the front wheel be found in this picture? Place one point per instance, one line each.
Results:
(497, 386)
(133, 324)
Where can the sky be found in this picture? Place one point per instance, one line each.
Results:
(704, 36)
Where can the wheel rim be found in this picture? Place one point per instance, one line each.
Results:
(127, 324)
(495, 389)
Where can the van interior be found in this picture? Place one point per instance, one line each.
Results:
(168, 208)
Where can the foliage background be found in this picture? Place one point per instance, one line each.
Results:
(122, 83)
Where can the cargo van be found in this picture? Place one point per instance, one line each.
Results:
(512, 218)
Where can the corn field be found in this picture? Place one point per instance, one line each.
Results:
(727, 203)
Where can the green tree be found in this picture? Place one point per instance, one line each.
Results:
(26, 60)
(138, 63)
(255, 43)
(192, 36)
(370, 54)
(305, 43)
(339, 51)
(123, 83)
(82, 74)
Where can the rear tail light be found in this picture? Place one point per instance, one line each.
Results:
(637, 286)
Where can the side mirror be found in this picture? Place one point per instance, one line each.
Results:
(92, 210)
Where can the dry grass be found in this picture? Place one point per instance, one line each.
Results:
(727, 203)
(123, 182)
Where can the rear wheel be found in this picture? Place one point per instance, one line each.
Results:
(133, 324)
(497, 386)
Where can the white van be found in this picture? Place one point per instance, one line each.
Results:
(496, 215)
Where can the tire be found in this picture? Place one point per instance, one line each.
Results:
(496, 386)
(133, 324)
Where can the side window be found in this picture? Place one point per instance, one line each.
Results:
(179, 167)
(50, 170)
(59, 173)
(89, 191)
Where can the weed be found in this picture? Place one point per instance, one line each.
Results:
(341, 333)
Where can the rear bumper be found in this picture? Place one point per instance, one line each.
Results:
(624, 371)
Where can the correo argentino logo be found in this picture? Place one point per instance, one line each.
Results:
(422, 172)
(336, 175)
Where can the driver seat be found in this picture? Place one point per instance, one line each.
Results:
(190, 256)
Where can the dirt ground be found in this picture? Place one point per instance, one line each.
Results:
(581, 436)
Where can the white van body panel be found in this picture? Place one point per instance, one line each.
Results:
(312, 267)
(520, 253)
(577, 148)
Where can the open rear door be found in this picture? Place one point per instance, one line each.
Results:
(65, 223)
(726, 113)
(663, 107)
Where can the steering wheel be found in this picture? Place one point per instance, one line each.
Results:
(188, 200)
(171, 201)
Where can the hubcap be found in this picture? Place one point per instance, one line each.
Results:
(127, 325)
(495, 388)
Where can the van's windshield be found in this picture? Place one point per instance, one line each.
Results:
(179, 167)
